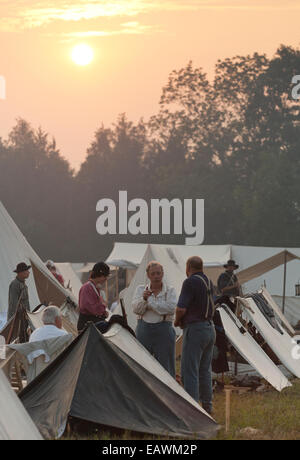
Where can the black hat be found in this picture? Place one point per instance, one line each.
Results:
(231, 263)
(100, 269)
(22, 267)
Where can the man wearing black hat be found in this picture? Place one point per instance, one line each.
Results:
(227, 282)
(18, 290)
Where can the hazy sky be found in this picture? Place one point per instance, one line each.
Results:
(136, 43)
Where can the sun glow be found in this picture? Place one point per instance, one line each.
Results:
(82, 54)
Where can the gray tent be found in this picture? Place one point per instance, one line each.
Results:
(95, 381)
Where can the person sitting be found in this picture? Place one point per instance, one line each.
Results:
(52, 325)
(92, 306)
(51, 266)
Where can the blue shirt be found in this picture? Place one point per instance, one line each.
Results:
(194, 298)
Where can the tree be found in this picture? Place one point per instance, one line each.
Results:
(35, 186)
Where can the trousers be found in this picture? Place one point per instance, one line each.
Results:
(159, 339)
(197, 353)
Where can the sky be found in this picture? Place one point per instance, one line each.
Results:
(136, 45)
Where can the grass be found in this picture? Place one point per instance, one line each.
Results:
(276, 416)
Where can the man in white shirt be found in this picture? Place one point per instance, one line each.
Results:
(155, 306)
(52, 325)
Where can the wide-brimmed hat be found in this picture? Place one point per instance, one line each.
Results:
(22, 267)
(231, 263)
(101, 269)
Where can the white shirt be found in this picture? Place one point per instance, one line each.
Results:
(155, 308)
(49, 331)
(113, 307)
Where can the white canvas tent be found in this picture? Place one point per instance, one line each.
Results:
(14, 248)
(270, 274)
(279, 340)
(132, 252)
(277, 310)
(130, 345)
(173, 277)
(291, 310)
(71, 279)
(173, 259)
(15, 423)
(212, 255)
(251, 350)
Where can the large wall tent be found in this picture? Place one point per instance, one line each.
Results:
(269, 272)
(258, 266)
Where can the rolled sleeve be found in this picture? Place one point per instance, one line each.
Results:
(186, 295)
(164, 306)
(139, 305)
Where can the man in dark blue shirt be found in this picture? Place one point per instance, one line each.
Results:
(194, 313)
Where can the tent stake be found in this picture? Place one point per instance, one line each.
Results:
(227, 409)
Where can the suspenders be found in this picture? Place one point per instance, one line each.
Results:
(209, 296)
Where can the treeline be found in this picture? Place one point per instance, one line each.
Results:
(233, 141)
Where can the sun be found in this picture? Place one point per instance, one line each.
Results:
(82, 54)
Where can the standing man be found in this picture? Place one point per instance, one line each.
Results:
(227, 282)
(194, 313)
(155, 304)
(18, 290)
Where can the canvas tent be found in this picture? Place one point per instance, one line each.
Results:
(250, 350)
(16, 327)
(133, 348)
(15, 423)
(217, 255)
(173, 259)
(284, 320)
(259, 269)
(14, 248)
(279, 340)
(291, 310)
(173, 276)
(72, 281)
(272, 277)
(94, 380)
(214, 257)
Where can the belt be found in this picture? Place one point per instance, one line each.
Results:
(158, 322)
(200, 321)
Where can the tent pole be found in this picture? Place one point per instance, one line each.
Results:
(236, 364)
(284, 282)
(117, 283)
(106, 291)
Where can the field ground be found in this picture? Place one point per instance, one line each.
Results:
(276, 416)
